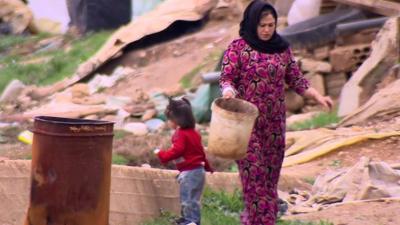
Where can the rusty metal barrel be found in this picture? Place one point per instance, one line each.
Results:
(71, 172)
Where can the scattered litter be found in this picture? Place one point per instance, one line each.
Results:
(100, 82)
(310, 144)
(26, 137)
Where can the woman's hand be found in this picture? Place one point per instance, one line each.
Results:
(228, 93)
(325, 101)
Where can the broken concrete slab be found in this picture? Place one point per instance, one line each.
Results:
(385, 54)
(12, 91)
(384, 102)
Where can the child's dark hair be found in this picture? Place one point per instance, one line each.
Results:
(180, 112)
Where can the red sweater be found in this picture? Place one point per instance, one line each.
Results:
(187, 151)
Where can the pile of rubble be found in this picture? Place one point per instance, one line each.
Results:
(366, 180)
(336, 56)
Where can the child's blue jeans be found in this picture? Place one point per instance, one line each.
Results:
(191, 184)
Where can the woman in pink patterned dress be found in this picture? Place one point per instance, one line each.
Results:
(255, 68)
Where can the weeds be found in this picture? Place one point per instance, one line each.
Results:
(220, 208)
(119, 159)
(309, 180)
(321, 120)
(60, 64)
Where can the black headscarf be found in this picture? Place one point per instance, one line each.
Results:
(248, 29)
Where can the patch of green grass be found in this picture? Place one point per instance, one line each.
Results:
(28, 157)
(296, 222)
(336, 163)
(212, 58)
(186, 81)
(220, 208)
(9, 41)
(61, 63)
(309, 180)
(119, 159)
(120, 134)
(234, 168)
(321, 120)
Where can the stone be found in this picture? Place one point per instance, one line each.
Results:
(118, 101)
(149, 114)
(80, 90)
(283, 7)
(322, 53)
(310, 65)
(317, 82)
(155, 125)
(11, 92)
(122, 115)
(384, 103)
(138, 129)
(111, 118)
(363, 83)
(334, 83)
(294, 102)
(91, 117)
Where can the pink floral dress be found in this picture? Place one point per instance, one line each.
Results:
(260, 79)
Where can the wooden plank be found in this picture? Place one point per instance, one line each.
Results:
(383, 7)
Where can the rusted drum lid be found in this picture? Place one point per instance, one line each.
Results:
(58, 126)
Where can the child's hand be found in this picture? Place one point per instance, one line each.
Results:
(156, 151)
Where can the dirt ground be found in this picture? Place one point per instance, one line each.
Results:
(186, 56)
(362, 213)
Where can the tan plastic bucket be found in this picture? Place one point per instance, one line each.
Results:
(231, 125)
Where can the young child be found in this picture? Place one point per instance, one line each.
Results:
(190, 159)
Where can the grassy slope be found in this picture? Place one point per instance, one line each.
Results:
(60, 63)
